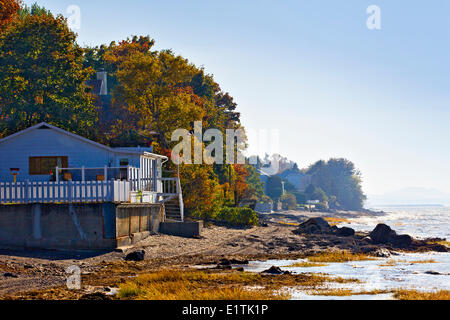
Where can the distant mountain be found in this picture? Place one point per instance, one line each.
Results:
(410, 196)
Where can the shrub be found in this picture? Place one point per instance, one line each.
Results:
(238, 216)
(289, 202)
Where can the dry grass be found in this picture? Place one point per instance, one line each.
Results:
(418, 295)
(196, 285)
(339, 256)
(423, 261)
(335, 221)
(293, 224)
(441, 242)
(392, 262)
(344, 292)
(205, 285)
(306, 264)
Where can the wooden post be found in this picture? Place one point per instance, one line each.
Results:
(57, 174)
(106, 173)
(82, 174)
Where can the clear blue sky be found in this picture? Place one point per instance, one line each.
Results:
(313, 70)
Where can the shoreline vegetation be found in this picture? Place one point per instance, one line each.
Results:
(210, 267)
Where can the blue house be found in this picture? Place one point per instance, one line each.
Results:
(45, 164)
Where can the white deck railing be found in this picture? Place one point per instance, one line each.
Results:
(64, 192)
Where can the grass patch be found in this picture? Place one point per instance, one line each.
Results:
(293, 224)
(306, 264)
(335, 221)
(419, 295)
(339, 256)
(209, 285)
(441, 242)
(196, 285)
(392, 262)
(344, 292)
(423, 261)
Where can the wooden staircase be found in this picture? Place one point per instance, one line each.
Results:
(172, 199)
(172, 209)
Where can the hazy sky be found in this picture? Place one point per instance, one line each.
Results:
(313, 70)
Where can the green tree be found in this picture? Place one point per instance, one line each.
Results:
(341, 182)
(274, 188)
(255, 185)
(42, 76)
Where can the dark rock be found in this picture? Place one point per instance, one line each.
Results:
(99, 296)
(224, 262)
(273, 270)
(228, 262)
(224, 267)
(135, 256)
(439, 248)
(264, 225)
(240, 269)
(434, 273)
(382, 234)
(236, 261)
(10, 275)
(403, 240)
(314, 226)
(345, 232)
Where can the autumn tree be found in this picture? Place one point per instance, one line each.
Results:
(8, 10)
(42, 77)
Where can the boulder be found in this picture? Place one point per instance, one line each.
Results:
(403, 240)
(137, 255)
(434, 273)
(228, 262)
(345, 232)
(382, 234)
(10, 275)
(314, 226)
(275, 270)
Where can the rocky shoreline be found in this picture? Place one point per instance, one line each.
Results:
(42, 274)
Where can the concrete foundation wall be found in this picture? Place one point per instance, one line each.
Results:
(182, 229)
(83, 226)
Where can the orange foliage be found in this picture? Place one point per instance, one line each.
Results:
(240, 183)
(8, 9)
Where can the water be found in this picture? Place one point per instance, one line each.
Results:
(420, 222)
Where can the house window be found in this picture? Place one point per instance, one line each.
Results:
(47, 165)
